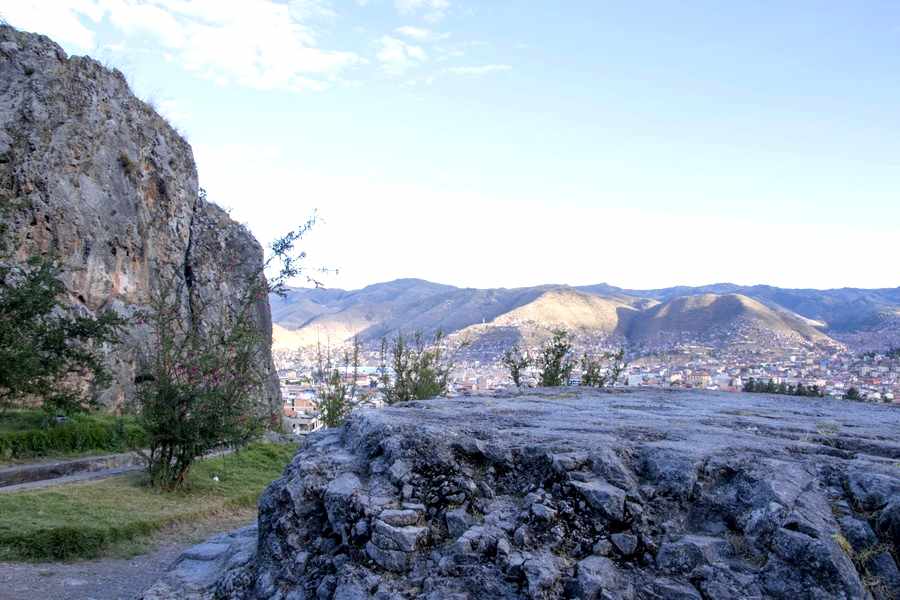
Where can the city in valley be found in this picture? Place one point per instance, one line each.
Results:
(833, 370)
(839, 343)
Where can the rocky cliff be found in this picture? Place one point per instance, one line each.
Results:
(577, 494)
(99, 179)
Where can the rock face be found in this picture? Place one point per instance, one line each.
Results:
(98, 178)
(582, 494)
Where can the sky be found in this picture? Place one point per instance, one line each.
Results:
(513, 143)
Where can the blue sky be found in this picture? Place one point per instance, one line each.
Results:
(514, 143)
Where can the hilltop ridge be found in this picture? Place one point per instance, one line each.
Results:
(865, 319)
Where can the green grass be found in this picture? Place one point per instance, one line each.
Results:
(79, 521)
(30, 434)
(20, 420)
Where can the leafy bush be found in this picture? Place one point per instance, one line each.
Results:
(421, 369)
(555, 360)
(205, 372)
(335, 398)
(47, 352)
(81, 433)
(755, 386)
(556, 363)
(602, 370)
(516, 362)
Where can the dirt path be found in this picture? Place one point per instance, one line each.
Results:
(44, 474)
(47, 472)
(74, 478)
(109, 578)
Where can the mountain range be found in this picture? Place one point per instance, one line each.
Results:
(720, 314)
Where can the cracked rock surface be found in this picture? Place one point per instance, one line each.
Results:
(582, 494)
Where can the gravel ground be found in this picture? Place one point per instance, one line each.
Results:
(109, 578)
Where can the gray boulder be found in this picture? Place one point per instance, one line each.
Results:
(598, 578)
(607, 499)
(702, 505)
(871, 491)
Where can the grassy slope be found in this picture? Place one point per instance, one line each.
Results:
(84, 520)
(24, 420)
(32, 435)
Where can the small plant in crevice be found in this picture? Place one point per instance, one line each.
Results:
(128, 165)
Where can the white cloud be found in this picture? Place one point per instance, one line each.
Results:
(62, 22)
(434, 10)
(397, 56)
(172, 111)
(420, 82)
(479, 70)
(311, 9)
(420, 34)
(270, 45)
(449, 53)
(458, 49)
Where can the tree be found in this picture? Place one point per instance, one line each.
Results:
(204, 372)
(852, 394)
(335, 398)
(783, 388)
(593, 374)
(49, 354)
(516, 361)
(555, 360)
(420, 370)
(603, 370)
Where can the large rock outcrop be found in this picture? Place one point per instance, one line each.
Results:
(98, 178)
(582, 494)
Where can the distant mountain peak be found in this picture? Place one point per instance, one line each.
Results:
(864, 317)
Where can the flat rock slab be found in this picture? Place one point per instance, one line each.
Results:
(196, 570)
(206, 551)
(578, 493)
